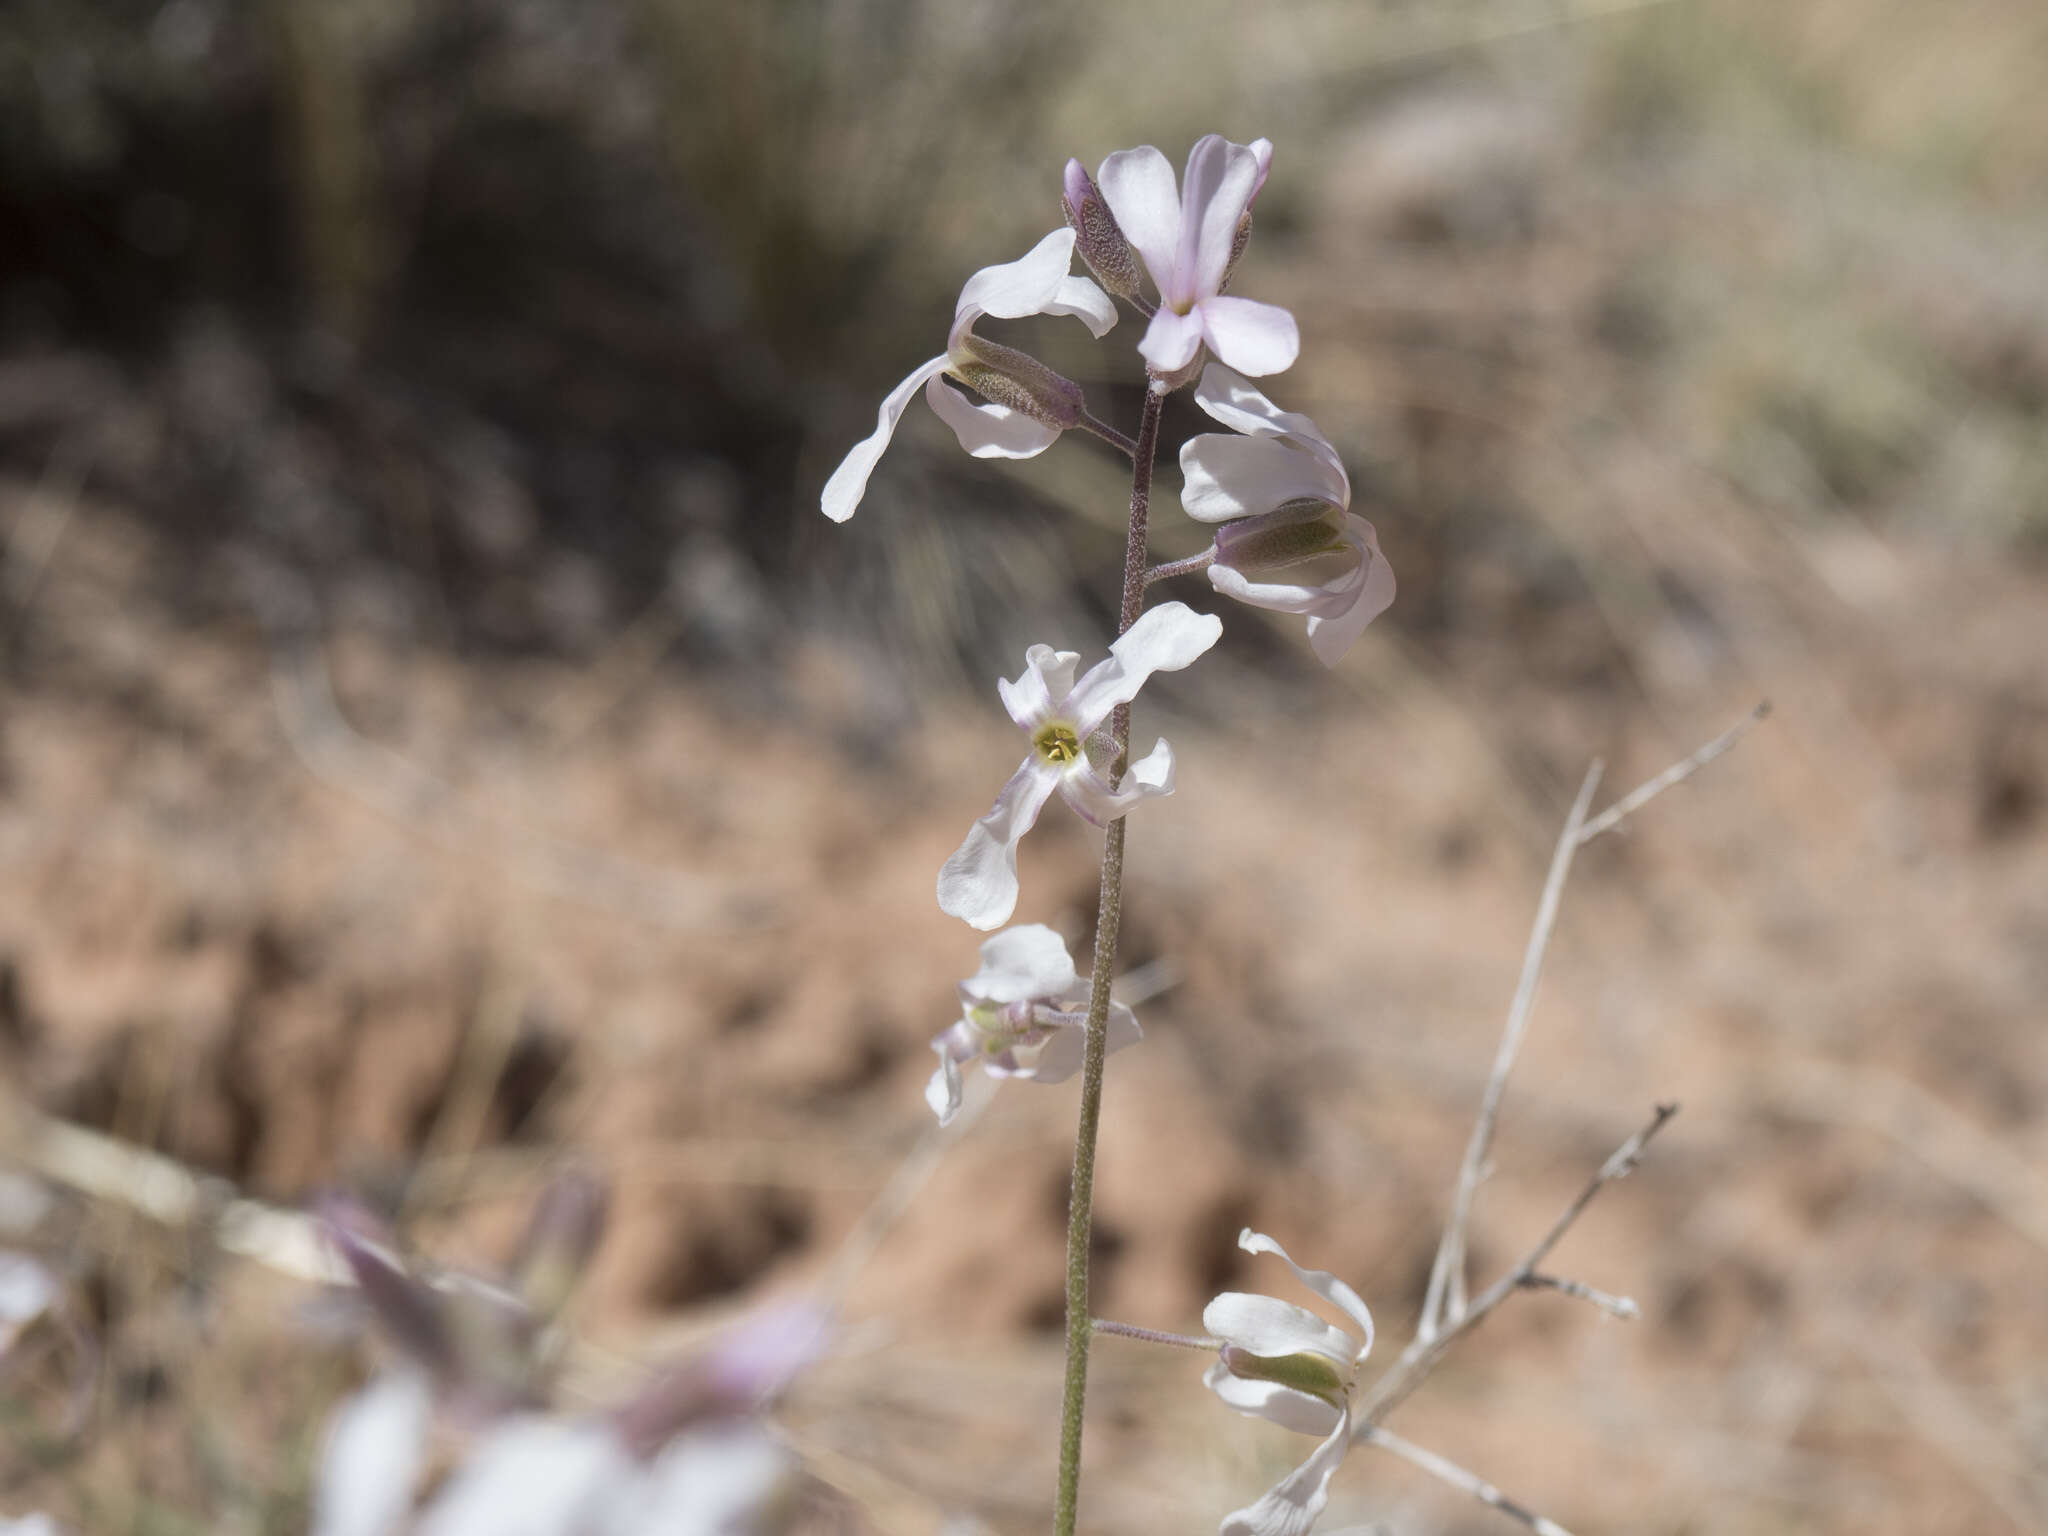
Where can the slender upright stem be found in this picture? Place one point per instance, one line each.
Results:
(1080, 1207)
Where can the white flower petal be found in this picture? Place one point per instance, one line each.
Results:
(376, 1442)
(1138, 185)
(1275, 1329)
(1221, 177)
(985, 429)
(1164, 639)
(1279, 596)
(1027, 961)
(1171, 340)
(1330, 635)
(1322, 1282)
(1094, 801)
(1017, 288)
(1224, 476)
(1289, 1407)
(978, 884)
(946, 1087)
(1079, 297)
(1251, 337)
(1262, 152)
(1041, 689)
(27, 1291)
(1231, 398)
(532, 1477)
(1066, 1048)
(1292, 1506)
(849, 481)
(715, 1482)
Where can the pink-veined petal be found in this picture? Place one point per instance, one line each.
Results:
(985, 429)
(1027, 961)
(1164, 639)
(849, 481)
(1273, 1329)
(376, 1444)
(1289, 1407)
(978, 884)
(1224, 477)
(1088, 792)
(1330, 635)
(1017, 288)
(1251, 337)
(1221, 177)
(1139, 187)
(1041, 688)
(1171, 340)
(1292, 1506)
(1321, 1281)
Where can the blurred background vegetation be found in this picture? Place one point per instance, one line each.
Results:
(438, 732)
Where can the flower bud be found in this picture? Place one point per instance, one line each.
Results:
(1098, 237)
(1292, 534)
(1004, 376)
(1315, 1374)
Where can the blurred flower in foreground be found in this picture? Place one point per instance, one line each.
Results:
(1023, 1014)
(690, 1455)
(1071, 749)
(1280, 491)
(1189, 239)
(1282, 1362)
(27, 1292)
(1026, 406)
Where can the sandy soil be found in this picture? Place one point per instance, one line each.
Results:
(423, 932)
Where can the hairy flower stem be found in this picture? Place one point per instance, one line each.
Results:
(1080, 1207)
(1188, 567)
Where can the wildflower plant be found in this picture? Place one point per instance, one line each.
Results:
(1274, 489)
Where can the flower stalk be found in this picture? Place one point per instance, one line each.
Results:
(1080, 1205)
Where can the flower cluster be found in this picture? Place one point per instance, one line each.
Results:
(1285, 539)
(1288, 540)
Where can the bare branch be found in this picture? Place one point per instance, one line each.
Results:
(1421, 1357)
(1677, 773)
(1444, 1304)
(1622, 1307)
(1465, 1482)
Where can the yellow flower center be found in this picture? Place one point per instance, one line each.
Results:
(1057, 743)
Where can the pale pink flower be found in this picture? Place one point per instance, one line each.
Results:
(1039, 405)
(1188, 238)
(1070, 752)
(1280, 491)
(1023, 1014)
(1282, 1362)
